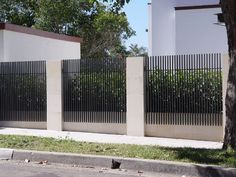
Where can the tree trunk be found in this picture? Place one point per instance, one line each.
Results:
(229, 12)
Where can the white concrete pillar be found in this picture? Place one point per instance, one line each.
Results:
(54, 95)
(135, 96)
(225, 71)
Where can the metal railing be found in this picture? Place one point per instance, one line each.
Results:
(94, 90)
(184, 90)
(23, 91)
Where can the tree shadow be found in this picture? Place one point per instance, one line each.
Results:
(215, 172)
(206, 156)
(202, 156)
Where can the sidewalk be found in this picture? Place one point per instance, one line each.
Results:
(108, 138)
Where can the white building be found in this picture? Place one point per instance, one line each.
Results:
(19, 43)
(185, 27)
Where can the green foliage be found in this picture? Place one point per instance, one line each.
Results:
(136, 51)
(60, 16)
(178, 92)
(101, 89)
(104, 32)
(195, 91)
(20, 12)
(27, 92)
(99, 83)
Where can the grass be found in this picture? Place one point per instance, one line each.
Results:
(226, 158)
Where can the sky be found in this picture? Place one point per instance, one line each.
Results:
(137, 14)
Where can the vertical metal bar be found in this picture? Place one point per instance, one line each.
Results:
(146, 91)
(149, 91)
(167, 90)
(110, 71)
(116, 109)
(214, 60)
(123, 77)
(161, 111)
(186, 109)
(221, 81)
(36, 74)
(173, 122)
(192, 73)
(154, 114)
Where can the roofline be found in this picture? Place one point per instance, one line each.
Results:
(37, 32)
(198, 7)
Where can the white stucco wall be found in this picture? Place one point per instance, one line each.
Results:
(22, 46)
(1, 45)
(196, 32)
(162, 28)
(184, 31)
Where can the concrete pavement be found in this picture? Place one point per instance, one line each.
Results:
(108, 138)
(11, 168)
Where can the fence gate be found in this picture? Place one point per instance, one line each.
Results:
(94, 95)
(184, 96)
(23, 94)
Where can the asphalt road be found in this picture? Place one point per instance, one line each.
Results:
(33, 169)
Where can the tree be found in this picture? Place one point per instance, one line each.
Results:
(20, 12)
(105, 32)
(103, 27)
(117, 3)
(229, 13)
(136, 51)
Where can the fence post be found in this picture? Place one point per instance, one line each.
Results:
(54, 95)
(135, 96)
(225, 71)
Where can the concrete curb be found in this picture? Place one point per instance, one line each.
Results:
(126, 163)
(6, 154)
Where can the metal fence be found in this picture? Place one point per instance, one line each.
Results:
(184, 90)
(23, 91)
(94, 90)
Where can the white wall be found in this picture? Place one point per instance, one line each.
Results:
(185, 31)
(21, 46)
(163, 28)
(1, 45)
(197, 33)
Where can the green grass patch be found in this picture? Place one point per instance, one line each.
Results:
(226, 158)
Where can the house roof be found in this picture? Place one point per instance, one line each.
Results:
(37, 32)
(197, 7)
(194, 2)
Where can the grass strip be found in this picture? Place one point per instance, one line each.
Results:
(225, 158)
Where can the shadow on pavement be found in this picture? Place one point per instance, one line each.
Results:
(215, 172)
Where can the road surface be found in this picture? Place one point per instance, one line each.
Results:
(34, 169)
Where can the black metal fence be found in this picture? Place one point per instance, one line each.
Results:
(184, 90)
(23, 91)
(94, 90)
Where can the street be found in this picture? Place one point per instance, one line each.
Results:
(34, 169)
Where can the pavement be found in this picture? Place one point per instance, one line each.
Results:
(32, 169)
(110, 138)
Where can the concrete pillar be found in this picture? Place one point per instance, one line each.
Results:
(135, 96)
(225, 71)
(54, 95)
